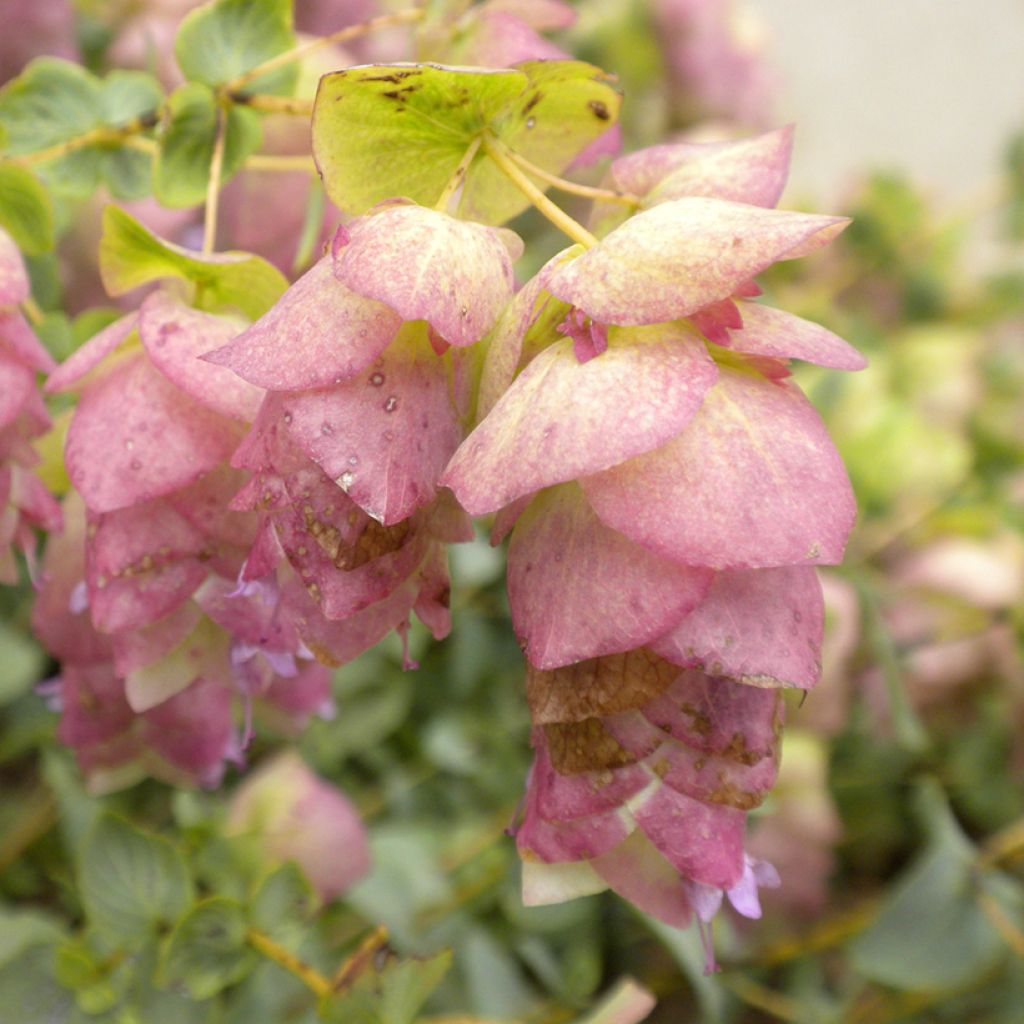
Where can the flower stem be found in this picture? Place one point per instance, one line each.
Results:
(273, 104)
(459, 176)
(272, 950)
(343, 35)
(344, 977)
(213, 187)
(501, 155)
(103, 133)
(564, 185)
(32, 311)
(278, 162)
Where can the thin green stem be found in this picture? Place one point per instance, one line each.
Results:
(268, 104)
(456, 180)
(273, 950)
(587, 191)
(345, 976)
(213, 186)
(99, 135)
(500, 154)
(343, 35)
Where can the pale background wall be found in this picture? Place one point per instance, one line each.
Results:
(935, 86)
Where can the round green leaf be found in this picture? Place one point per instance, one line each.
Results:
(389, 130)
(223, 39)
(25, 209)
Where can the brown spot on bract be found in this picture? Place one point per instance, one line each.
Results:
(600, 110)
(532, 102)
(585, 746)
(599, 686)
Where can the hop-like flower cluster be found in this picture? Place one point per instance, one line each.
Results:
(670, 489)
(368, 365)
(25, 503)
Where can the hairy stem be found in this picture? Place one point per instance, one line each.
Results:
(500, 154)
(343, 35)
(272, 950)
(564, 185)
(213, 187)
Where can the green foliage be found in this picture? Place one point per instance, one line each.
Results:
(224, 38)
(284, 904)
(396, 130)
(207, 951)
(182, 171)
(132, 882)
(25, 209)
(393, 994)
(131, 255)
(56, 103)
(933, 931)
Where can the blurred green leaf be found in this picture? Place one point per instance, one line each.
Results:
(182, 171)
(22, 929)
(25, 209)
(131, 255)
(56, 101)
(283, 904)
(932, 933)
(391, 995)
(21, 663)
(131, 881)
(223, 39)
(207, 951)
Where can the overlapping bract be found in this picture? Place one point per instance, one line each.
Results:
(671, 490)
(160, 645)
(25, 503)
(365, 406)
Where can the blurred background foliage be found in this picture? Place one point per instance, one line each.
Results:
(898, 820)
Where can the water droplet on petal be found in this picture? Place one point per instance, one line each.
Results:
(353, 460)
(129, 445)
(531, 122)
(391, 404)
(345, 480)
(287, 417)
(377, 379)
(388, 435)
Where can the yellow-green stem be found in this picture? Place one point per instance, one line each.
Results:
(305, 49)
(272, 950)
(456, 180)
(100, 134)
(278, 162)
(499, 153)
(213, 187)
(32, 311)
(564, 185)
(344, 977)
(268, 104)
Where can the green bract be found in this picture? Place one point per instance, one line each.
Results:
(381, 131)
(131, 255)
(223, 39)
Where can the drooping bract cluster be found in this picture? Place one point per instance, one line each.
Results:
(140, 598)
(362, 415)
(671, 490)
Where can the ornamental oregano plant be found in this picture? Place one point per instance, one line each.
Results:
(252, 480)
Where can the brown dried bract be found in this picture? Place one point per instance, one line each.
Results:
(599, 686)
(585, 746)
